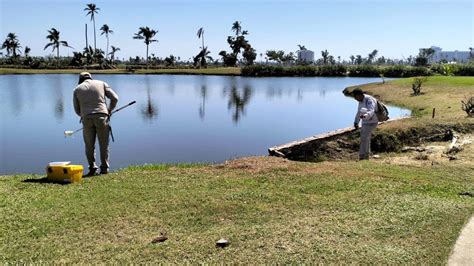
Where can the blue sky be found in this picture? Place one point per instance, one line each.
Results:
(395, 28)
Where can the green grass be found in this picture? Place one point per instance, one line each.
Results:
(270, 209)
(439, 92)
(203, 71)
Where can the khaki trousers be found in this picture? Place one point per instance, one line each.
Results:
(365, 135)
(96, 126)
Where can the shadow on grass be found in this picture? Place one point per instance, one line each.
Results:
(44, 180)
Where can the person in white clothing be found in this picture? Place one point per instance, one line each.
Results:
(365, 112)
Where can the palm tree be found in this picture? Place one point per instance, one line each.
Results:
(200, 34)
(12, 45)
(27, 51)
(202, 58)
(371, 56)
(352, 57)
(87, 54)
(53, 37)
(91, 10)
(325, 55)
(237, 28)
(106, 30)
(302, 47)
(146, 34)
(112, 53)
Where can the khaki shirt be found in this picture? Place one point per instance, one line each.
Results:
(89, 98)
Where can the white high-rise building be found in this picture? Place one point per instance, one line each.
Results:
(449, 56)
(305, 56)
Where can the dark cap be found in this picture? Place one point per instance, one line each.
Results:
(357, 91)
(83, 76)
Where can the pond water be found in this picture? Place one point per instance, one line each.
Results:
(176, 118)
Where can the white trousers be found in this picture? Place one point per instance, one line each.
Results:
(365, 135)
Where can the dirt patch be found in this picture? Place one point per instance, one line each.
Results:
(384, 140)
(435, 153)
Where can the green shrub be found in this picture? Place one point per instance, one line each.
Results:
(464, 70)
(417, 71)
(396, 71)
(364, 71)
(416, 85)
(453, 69)
(332, 71)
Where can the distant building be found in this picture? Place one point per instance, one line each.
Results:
(305, 56)
(449, 56)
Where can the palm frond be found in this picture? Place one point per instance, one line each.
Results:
(48, 45)
(138, 36)
(200, 32)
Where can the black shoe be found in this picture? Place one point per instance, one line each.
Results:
(104, 172)
(92, 172)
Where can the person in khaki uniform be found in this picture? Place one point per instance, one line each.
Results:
(90, 104)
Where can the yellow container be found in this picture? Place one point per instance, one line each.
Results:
(69, 173)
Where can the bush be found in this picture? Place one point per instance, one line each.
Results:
(400, 71)
(464, 70)
(416, 85)
(306, 71)
(332, 71)
(453, 69)
(365, 71)
(417, 71)
(396, 71)
(336, 71)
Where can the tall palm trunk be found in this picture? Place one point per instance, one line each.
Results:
(95, 47)
(57, 61)
(87, 43)
(203, 41)
(147, 56)
(107, 48)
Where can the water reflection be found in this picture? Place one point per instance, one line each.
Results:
(322, 93)
(273, 92)
(59, 99)
(238, 99)
(202, 106)
(150, 110)
(299, 96)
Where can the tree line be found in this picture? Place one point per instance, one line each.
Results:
(92, 55)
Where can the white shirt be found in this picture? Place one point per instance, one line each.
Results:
(369, 103)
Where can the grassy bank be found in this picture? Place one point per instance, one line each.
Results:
(272, 210)
(439, 92)
(203, 71)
